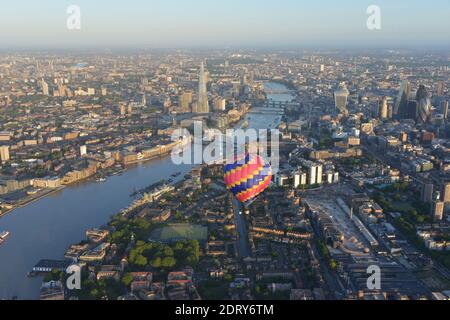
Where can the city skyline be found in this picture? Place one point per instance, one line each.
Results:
(242, 151)
(354, 175)
(202, 103)
(177, 23)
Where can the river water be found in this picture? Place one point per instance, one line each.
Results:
(46, 228)
(266, 119)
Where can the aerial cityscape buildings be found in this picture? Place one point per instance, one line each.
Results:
(364, 175)
(202, 103)
(119, 165)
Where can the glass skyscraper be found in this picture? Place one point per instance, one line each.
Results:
(202, 104)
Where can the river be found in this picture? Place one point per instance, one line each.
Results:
(46, 228)
(258, 121)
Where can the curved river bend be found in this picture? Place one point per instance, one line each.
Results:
(46, 228)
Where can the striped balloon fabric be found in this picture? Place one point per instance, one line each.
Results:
(247, 177)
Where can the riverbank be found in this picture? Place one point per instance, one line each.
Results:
(33, 199)
(45, 229)
(107, 173)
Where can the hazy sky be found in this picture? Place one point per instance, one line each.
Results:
(222, 23)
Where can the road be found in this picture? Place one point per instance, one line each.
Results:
(241, 228)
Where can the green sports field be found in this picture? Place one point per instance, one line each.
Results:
(176, 232)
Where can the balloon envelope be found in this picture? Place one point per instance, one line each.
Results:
(247, 177)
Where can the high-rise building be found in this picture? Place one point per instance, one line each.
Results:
(244, 80)
(220, 104)
(45, 89)
(297, 179)
(423, 100)
(403, 137)
(83, 150)
(444, 109)
(62, 89)
(122, 110)
(424, 111)
(390, 111)
(402, 99)
(312, 175)
(440, 87)
(438, 210)
(384, 110)
(446, 192)
(422, 93)
(319, 175)
(336, 177)
(202, 104)
(412, 110)
(341, 98)
(304, 179)
(329, 177)
(427, 192)
(185, 101)
(4, 153)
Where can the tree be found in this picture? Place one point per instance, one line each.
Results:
(127, 279)
(333, 264)
(167, 251)
(257, 289)
(156, 263)
(140, 261)
(168, 262)
(228, 277)
(95, 294)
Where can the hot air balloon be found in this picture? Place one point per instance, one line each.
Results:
(247, 177)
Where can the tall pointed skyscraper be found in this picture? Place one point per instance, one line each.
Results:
(202, 105)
